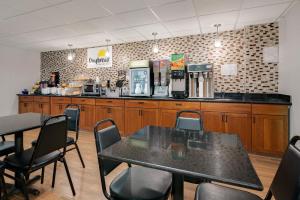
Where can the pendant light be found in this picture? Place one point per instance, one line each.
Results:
(107, 50)
(155, 48)
(218, 42)
(71, 53)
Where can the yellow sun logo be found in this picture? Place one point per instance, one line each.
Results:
(102, 53)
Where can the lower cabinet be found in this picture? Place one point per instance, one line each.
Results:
(87, 112)
(41, 107)
(213, 121)
(168, 118)
(25, 107)
(114, 113)
(59, 104)
(139, 114)
(270, 129)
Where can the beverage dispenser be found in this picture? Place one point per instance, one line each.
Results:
(201, 82)
(178, 76)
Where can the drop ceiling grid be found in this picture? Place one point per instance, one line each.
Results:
(80, 18)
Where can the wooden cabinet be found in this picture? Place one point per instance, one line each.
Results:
(25, 104)
(41, 105)
(139, 114)
(113, 109)
(58, 105)
(87, 112)
(229, 118)
(270, 129)
(169, 109)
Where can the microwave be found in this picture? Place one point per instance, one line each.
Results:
(91, 89)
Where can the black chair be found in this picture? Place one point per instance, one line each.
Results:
(285, 185)
(52, 138)
(137, 183)
(73, 113)
(2, 183)
(188, 123)
(6, 147)
(193, 124)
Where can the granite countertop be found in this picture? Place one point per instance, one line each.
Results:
(254, 98)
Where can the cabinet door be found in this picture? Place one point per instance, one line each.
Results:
(269, 134)
(168, 118)
(149, 117)
(37, 108)
(25, 107)
(239, 123)
(57, 109)
(133, 120)
(115, 113)
(87, 117)
(45, 108)
(214, 121)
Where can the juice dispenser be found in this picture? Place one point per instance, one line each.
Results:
(178, 76)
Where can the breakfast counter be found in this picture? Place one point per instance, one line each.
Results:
(251, 116)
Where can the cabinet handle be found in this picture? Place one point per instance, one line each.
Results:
(41, 106)
(140, 102)
(226, 117)
(109, 101)
(141, 112)
(178, 104)
(223, 116)
(254, 120)
(108, 110)
(25, 105)
(82, 108)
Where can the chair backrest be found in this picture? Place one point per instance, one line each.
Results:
(286, 183)
(105, 138)
(52, 137)
(189, 123)
(73, 113)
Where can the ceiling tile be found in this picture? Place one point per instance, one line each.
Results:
(160, 2)
(117, 6)
(205, 7)
(25, 6)
(7, 11)
(259, 3)
(107, 23)
(136, 18)
(224, 19)
(263, 14)
(183, 25)
(147, 31)
(211, 29)
(82, 28)
(178, 10)
(180, 33)
(127, 35)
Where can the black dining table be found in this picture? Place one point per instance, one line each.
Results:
(217, 157)
(17, 125)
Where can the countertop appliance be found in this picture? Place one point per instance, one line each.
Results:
(140, 78)
(201, 81)
(178, 76)
(91, 88)
(161, 70)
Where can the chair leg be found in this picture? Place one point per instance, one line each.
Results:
(69, 176)
(3, 188)
(42, 175)
(54, 174)
(24, 187)
(79, 154)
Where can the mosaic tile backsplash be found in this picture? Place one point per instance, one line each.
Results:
(243, 47)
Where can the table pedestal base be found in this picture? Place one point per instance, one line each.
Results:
(177, 187)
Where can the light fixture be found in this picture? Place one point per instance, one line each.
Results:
(155, 48)
(71, 53)
(218, 42)
(107, 50)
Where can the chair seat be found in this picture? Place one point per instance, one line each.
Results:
(7, 147)
(207, 191)
(22, 162)
(141, 183)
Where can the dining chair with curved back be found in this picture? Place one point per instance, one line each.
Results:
(6, 147)
(134, 182)
(47, 150)
(73, 112)
(189, 123)
(285, 185)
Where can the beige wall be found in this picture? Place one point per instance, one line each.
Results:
(19, 69)
(289, 66)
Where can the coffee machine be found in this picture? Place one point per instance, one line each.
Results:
(178, 76)
(201, 82)
(161, 70)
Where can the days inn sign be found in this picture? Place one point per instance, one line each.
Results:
(99, 57)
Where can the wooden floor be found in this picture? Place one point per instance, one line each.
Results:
(87, 181)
